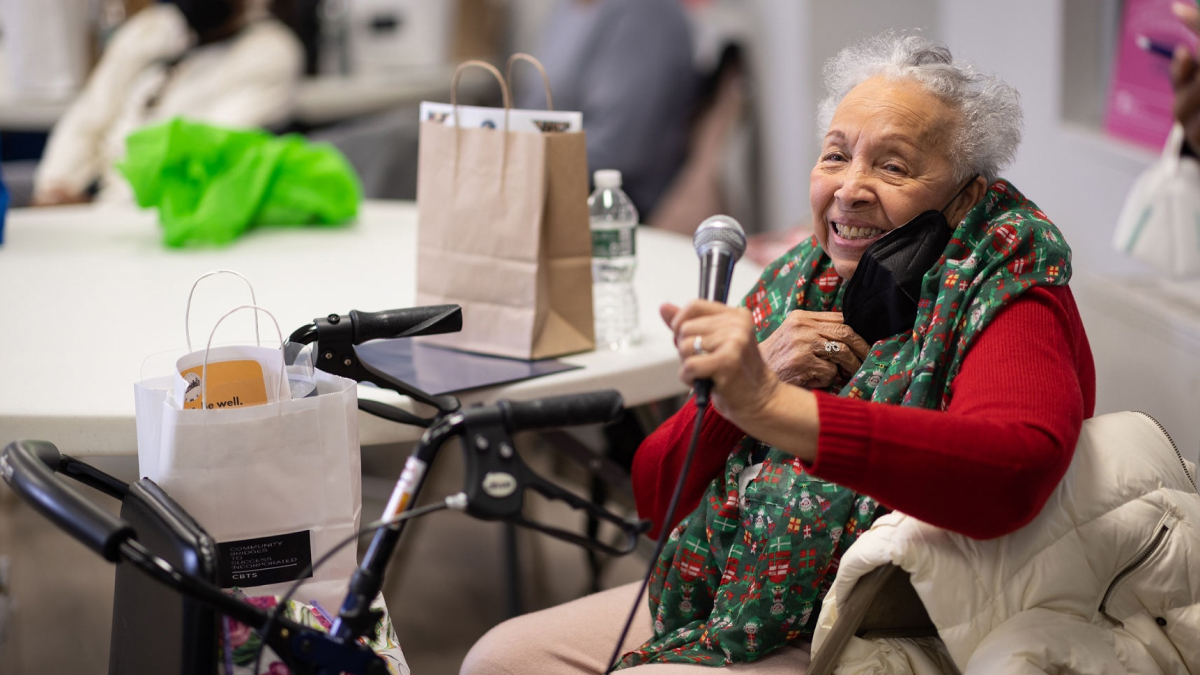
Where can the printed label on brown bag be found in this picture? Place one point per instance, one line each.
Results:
(266, 560)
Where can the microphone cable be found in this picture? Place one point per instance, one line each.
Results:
(457, 501)
(702, 403)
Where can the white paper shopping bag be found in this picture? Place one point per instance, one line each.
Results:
(1160, 221)
(276, 483)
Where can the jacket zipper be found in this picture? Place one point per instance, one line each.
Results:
(1130, 569)
(1174, 447)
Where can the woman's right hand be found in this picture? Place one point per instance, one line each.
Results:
(811, 349)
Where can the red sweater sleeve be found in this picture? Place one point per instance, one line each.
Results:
(659, 458)
(985, 466)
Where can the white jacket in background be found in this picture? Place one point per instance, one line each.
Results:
(1105, 580)
(248, 80)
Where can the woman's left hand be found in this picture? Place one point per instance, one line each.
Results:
(813, 349)
(717, 342)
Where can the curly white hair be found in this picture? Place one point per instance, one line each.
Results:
(986, 139)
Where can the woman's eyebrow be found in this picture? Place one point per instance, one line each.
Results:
(837, 136)
(898, 137)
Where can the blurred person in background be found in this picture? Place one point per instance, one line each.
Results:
(1185, 79)
(225, 62)
(627, 65)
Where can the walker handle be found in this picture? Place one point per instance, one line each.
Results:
(29, 467)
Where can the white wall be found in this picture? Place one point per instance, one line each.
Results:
(1077, 176)
(1146, 345)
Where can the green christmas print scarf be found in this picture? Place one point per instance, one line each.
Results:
(744, 574)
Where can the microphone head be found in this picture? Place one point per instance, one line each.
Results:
(723, 232)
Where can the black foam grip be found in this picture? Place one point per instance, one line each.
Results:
(593, 407)
(29, 467)
(408, 322)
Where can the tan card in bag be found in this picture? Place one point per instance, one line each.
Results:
(231, 384)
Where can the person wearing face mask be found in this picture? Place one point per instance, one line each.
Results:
(921, 352)
(223, 62)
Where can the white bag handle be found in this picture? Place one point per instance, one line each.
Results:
(187, 315)
(1173, 150)
(204, 369)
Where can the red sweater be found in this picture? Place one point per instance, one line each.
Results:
(983, 467)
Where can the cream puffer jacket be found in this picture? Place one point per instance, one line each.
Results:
(1106, 579)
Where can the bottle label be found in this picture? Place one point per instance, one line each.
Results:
(617, 242)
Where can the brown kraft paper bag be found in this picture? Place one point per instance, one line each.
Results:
(503, 232)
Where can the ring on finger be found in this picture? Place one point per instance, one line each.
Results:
(698, 346)
(832, 347)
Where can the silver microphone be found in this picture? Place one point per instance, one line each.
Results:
(720, 242)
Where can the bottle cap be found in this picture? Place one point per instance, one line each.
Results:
(607, 178)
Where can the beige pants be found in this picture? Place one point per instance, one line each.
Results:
(578, 637)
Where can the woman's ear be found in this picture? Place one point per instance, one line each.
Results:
(971, 194)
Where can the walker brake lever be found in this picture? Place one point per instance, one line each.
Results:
(495, 479)
(336, 336)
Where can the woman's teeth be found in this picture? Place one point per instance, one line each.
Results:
(857, 232)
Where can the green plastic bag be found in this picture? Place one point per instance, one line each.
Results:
(211, 184)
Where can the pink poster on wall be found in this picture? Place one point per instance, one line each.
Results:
(1140, 99)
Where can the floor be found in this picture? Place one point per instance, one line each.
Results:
(446, 585)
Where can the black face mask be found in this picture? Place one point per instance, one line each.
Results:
(881, 298)
(205, 16)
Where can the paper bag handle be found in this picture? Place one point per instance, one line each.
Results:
(1173, 149)
(476, 63)
(521, 56)
(187, 314)
(208, 348)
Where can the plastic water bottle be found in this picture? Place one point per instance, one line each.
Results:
(614, 229)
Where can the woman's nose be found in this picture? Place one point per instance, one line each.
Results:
(856, 188)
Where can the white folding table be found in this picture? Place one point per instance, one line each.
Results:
(87, 293)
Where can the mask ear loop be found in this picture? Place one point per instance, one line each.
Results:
(187, 314)
(959, 193)
(208, 348)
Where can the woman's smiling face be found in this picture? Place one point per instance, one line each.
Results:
(885, 160)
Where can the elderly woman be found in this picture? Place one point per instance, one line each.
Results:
(962, 407)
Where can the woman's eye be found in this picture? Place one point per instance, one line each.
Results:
(893, 168)
(832, 157)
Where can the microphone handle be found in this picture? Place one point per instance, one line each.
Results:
(716, 274)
